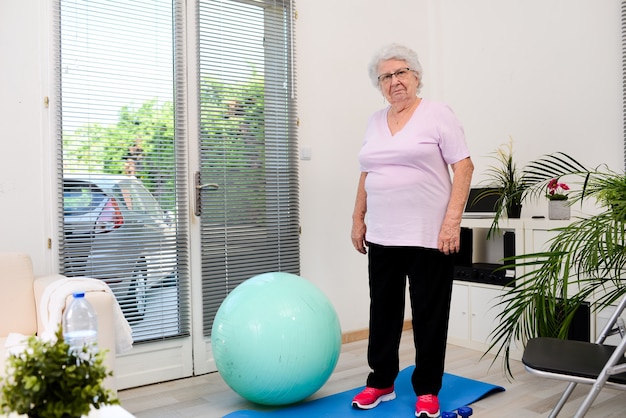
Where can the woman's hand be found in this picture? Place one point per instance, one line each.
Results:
(450, 238)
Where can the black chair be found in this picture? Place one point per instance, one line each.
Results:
(595, 364)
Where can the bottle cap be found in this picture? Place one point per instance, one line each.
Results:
(79, 294)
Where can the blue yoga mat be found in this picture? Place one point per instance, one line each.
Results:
(456, 392)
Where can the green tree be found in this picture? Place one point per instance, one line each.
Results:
(233, 142)
(141, 143)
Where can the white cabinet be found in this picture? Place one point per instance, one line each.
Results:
(538, 233)
(484, 312)
(473, 314)
(458, 325)
(538, 236)
(474, 307)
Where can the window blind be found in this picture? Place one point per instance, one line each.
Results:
(248, 145)
(121, 134)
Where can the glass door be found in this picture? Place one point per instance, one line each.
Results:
(171, 240)
(247, 189)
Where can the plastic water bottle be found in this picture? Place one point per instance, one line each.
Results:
(465, 411)
(80, 324)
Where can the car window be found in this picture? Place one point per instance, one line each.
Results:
(80, 197)
(136, 198)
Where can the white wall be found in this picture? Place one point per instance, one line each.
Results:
(547, 73)
(25, 160)
(335, 41)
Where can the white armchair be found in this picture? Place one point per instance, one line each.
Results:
(20, 297)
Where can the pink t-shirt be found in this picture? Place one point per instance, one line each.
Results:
(408, 182)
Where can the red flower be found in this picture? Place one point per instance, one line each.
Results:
(557, 190)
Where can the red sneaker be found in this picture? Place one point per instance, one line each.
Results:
(427, 406)
(371, 397)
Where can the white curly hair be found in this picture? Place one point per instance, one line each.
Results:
(397, 52)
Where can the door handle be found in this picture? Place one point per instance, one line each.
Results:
(198, 188)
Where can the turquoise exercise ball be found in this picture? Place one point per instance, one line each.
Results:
(276, 339)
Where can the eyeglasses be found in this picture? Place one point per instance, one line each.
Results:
(401, 74)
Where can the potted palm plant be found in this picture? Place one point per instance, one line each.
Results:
(584, 261)
(508, 182)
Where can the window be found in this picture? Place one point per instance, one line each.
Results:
(122, 138)
(124, 149)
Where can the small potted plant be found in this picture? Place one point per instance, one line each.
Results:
(558, 206)
(508, 182)
(46, 380)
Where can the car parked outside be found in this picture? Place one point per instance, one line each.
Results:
(115, 230)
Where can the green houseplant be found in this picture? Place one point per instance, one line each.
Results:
(46, 380)
(584, 261)
(508, 182)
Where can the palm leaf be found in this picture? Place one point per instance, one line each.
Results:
(584, 260)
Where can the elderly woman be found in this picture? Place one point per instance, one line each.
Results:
(407, 218)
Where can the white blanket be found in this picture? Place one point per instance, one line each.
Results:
(53, 301)
(15, 343)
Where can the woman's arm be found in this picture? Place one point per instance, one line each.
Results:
(358, 216)
(450, 234)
